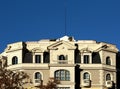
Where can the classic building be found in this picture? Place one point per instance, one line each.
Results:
(82, 64)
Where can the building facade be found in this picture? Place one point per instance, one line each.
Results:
(82, 64)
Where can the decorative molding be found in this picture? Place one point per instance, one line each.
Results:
(54, 46)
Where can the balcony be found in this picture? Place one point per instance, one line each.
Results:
(37, 82)
(109, 84)
(28, 66)
(86, 83)
(62, 61)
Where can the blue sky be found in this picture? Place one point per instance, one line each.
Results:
(32, 20)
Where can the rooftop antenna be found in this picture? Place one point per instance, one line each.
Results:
(65, 1)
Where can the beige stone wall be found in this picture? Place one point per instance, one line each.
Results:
(62, 50)
(112, 56)
(94, 76)
(61, 47)
(10, 55)
(45, 75)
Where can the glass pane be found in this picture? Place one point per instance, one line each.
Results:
(86, 76)
(86, 59)
(62, 75)
(37, 58)
(14, 60)
(67, 75)
(108, 77)
(108, 61)
(37, 75)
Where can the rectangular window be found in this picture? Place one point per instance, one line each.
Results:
(37, 58)
(86, 59)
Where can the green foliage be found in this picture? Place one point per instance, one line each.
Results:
(12, 80)
(52, 84)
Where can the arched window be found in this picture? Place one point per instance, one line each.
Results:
(63, 75)
(86, 75)
(37, 75)
(108, 77)
(108, 61)
(14, 60)
(61, 57)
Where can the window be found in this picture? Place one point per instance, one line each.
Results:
(86, 59)
(86, 75)
(46, 57)
(37, 58)
(108, 61)
(14, 60)
(62, 75)
(108, 77)
(61, 57)
(37, 77)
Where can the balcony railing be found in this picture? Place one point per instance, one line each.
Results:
(62, 61)
(86, 83)
(37, 82)
(109, 84)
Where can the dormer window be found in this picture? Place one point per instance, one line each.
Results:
(86, 55)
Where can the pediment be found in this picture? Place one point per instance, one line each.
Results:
(37, 49)
(65, 44)
(86, 50)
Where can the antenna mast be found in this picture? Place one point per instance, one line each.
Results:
(65, 16)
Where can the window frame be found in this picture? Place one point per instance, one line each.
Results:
(14, 60)
(108, 60)
(62, 57)
(37, 77)
(108, 77)
(62, 75)
(86, 59)
(37, 58)
(86, 76)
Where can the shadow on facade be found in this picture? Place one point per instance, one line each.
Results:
(118, 70)
(77, 77)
